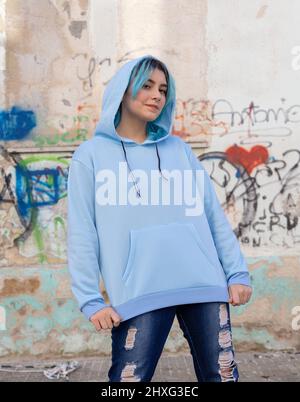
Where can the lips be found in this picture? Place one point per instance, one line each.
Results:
(153, 107)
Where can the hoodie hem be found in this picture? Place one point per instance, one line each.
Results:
(157, 300)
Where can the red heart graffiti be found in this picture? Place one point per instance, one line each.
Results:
(248, 159)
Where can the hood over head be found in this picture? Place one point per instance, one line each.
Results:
(157, 129)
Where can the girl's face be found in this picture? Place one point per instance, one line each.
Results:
(150, 99)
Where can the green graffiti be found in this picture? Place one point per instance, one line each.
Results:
(38, 236)
(67, 137)
(58, 222)
(43, 158)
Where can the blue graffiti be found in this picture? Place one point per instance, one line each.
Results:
(16, 124)
(36, 188)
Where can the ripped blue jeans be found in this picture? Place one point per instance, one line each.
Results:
(138, 342)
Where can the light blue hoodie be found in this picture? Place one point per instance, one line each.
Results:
(149, 256)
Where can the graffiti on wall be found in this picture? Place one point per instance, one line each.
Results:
(67, 129)
(253, 115)
(194, 121)
(198, 119)
(32, 205)
(16, 123)
(260, 193)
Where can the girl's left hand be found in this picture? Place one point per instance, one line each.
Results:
(239, 294)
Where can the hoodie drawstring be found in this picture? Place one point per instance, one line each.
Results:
(138, 193)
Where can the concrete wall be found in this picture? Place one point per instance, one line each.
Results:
(236, 67)
(254, 82)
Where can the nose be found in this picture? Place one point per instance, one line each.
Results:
(157, 95)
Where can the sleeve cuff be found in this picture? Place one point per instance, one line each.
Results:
(240, 278)
(92, 307)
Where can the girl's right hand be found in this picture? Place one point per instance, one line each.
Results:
(105, 318)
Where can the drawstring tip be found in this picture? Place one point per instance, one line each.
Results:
(163, 176)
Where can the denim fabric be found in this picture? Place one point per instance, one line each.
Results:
(138, 342)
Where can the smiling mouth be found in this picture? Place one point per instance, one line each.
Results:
(154, 108)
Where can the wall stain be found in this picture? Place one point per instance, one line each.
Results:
(14, 286)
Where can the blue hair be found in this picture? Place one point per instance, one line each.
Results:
(140, 74)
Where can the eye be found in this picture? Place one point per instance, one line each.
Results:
(162, 90)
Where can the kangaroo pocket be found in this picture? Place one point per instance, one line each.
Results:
(166, 257)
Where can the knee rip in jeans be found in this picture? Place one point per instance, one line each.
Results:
(223, 315)
(226, 358)
(225, 340)
(227, 366)
(127, 374)
(130, 339)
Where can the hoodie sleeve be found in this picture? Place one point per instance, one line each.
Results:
(226, 242)
(83, 244)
